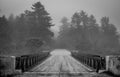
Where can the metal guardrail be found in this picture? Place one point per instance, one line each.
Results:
(25, 62)
(93, 61)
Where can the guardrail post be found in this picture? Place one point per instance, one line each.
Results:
(23, 64)
(98, 66)
(94, 63)
(18, 63)
(91, 62)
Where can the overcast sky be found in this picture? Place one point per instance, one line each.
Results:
(61, 8)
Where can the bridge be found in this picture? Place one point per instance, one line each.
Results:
(58, 63)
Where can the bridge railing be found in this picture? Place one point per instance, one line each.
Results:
(26, 62)
(93, 61)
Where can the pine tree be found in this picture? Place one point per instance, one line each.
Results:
(39, 22)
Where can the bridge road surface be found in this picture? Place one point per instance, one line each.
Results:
(60, 64)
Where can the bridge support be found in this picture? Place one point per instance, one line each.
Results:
(113, 64)
(7, 65)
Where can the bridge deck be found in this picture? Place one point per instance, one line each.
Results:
(61, 63)
(60, 66)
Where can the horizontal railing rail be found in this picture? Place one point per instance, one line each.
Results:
(95, 62)
(25, 62)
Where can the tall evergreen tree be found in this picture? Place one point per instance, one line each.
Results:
(5, 39)
(39, 21)
(110, 36)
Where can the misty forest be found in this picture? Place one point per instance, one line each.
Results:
(30, 32)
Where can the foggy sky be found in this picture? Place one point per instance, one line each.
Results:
(60, 8)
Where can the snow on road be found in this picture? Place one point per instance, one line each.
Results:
(61, 61)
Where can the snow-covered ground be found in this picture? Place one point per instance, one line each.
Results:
(60, 52)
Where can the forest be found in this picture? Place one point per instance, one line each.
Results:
(83, 33)
(30, 32)
(26, 33)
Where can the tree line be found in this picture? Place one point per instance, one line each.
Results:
(29, 30)
(83, 33)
